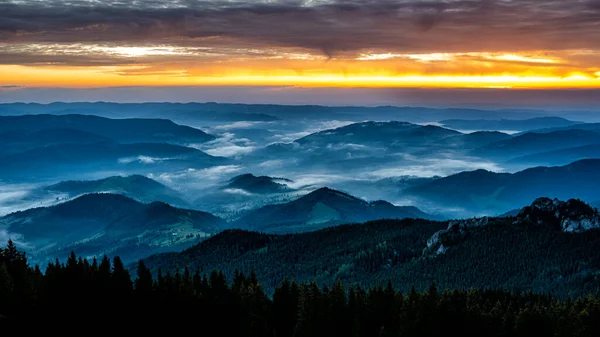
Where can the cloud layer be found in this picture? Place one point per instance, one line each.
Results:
(330, 26)
(245, 42)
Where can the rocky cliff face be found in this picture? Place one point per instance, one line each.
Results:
(439, 242)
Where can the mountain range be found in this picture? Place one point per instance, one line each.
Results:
(80, 144)
(508, 124)
(375, 144)
(44, 147)
(129, 215)
(121, 130)
(369, 142)
(561, 156)
(208, 111)
(584, 126)
(531, 143)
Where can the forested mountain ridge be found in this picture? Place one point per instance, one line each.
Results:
(548, 251)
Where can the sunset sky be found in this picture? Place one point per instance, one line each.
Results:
(497, 44)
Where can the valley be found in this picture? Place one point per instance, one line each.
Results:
(352, 199)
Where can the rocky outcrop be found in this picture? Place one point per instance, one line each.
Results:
(580, 225)
(572, 216)
(434, 240)
(440, 241)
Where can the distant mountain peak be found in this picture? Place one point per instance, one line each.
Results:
(370, 131)
(135, 186)
(326, 192)
(381, 203)
(323, 207)
(252, 176)
(242, 176)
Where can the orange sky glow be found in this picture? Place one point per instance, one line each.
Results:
(142, 67)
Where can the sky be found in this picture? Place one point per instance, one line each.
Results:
(76, 45)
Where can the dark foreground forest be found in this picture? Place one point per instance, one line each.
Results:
(99, 297)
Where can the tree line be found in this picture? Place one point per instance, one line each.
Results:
(91, 297)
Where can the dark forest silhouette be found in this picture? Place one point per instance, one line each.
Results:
(86, 297)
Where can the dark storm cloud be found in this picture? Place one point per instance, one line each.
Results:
(330, 27)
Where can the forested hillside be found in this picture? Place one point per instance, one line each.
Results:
(503, 253)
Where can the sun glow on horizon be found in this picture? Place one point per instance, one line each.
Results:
(165, 65)
(111, 76)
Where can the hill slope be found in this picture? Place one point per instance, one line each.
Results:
(321, 208)
(95, 224)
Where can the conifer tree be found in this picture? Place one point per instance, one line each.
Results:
(143, 282)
